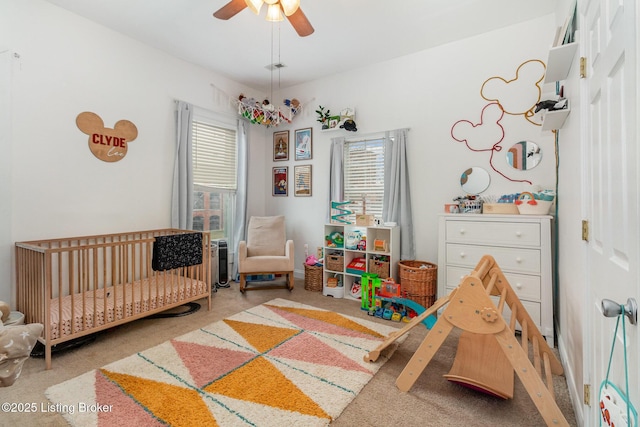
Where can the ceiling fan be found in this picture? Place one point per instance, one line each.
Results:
(275, 10)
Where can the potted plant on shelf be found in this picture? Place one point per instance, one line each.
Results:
(323, 117)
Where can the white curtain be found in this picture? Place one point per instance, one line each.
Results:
(396, 204)
(182, 193)
(336, 173)
(239, 231)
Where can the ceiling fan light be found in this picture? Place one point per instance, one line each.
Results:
(254, 5)
(273, 13)
(290, 6)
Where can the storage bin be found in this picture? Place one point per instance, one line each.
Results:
(471, 206)
(500, 208)
(312, 278)
(419, 281)
(334, 262)
(381, 268)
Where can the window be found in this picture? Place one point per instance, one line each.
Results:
(214, 156)
(364, 175)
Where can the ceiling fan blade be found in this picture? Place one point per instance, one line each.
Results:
(230, 9)
(300, 23)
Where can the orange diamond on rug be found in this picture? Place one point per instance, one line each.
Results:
(262, 337)
(174, 405)
(259, 381)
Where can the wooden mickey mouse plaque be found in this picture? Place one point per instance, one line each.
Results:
(109, 145)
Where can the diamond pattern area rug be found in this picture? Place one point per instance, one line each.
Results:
(279, 363)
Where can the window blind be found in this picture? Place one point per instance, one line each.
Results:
(364, 175)
(215, 158)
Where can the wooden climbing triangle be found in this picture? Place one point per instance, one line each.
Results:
(488, 351)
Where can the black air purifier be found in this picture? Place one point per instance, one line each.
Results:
(223, 263)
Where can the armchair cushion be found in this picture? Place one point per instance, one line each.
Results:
(266, 236)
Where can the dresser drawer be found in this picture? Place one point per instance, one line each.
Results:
(509, 259)
(525, 286)
(493, 233)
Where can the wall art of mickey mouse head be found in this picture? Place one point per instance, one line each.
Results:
(109, 145)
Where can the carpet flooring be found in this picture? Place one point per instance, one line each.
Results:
(432, 401)
(279, 363)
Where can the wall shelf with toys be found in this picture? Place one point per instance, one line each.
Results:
(331, 122)
(351, 250)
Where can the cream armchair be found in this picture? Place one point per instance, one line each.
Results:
(266, 251)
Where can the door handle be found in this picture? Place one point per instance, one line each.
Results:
(613, 309)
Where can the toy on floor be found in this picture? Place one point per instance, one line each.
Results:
(376, 293)
(16, 343)
(470, 308)
(369, 284)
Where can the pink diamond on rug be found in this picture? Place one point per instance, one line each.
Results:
(129, 413)
(208, 363)
(315, 351)
(320, 326)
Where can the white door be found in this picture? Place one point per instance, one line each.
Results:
(611, 191)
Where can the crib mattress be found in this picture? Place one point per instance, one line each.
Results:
(92, 310)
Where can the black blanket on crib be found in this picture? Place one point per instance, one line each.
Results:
(177, 250)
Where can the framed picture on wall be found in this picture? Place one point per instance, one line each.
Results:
(281, 145)
(280, 181)
(302, 180)
(303, 141)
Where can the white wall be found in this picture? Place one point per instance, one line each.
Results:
(427, 92)
(68, 65)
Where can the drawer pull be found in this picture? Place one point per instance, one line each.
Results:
(519, 285)
(462, 231)
(462, 255)
(518, 260)
(518, 233)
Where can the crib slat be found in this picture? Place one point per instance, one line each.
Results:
(77, 286)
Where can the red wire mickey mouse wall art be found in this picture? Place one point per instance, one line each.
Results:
(109, 145)
(517, 96)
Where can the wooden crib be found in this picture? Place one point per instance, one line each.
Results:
(81, 285)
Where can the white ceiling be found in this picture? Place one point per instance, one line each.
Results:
(348, 33)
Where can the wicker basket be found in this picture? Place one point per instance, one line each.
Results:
(419, 280)
(334, 262)
(381, 268)
(312, 278)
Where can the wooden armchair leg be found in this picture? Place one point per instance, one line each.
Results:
(291, 280)
(243, 282)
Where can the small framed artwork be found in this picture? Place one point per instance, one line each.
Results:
(281, 145)
(304, 141)
(333, 122)
(280, 181)
(302, 180)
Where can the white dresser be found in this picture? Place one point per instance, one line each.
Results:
(520, 244)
